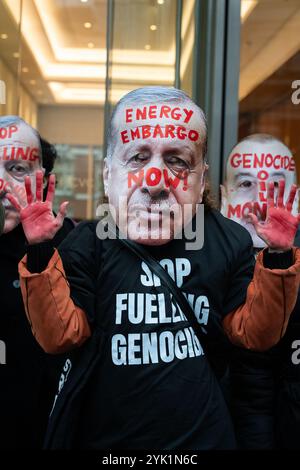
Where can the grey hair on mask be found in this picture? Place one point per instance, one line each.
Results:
(150, 94)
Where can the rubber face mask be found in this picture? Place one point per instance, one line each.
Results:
(19, 157)
(250, 166)
(156, 169)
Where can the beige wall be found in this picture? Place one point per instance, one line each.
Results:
(26, 108)
(11, 106)
(72, 125)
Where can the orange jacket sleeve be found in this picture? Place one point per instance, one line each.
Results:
(262, 320)
(56, 322)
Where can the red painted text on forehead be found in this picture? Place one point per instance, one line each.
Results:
(168, 122)
(30, 154)
(7, 132)
(158, 112)
(262, 160)
(14, 150)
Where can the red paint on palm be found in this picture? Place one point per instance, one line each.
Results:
(39, 222)
(37, 218)
(280, 227)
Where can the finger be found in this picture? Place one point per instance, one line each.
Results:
(62, 213)
(270, 196)
(39, 186)
(28, 189)
(51, 189)
(252, 218)
(291, 198)
(13, 201)
(280, 193)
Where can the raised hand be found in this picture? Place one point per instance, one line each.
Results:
(279, 228)
(37, 218)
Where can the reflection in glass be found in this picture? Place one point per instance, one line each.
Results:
(187, 46)
(9, 56)
(270, 63)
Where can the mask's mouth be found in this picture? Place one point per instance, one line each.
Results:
(162, 209)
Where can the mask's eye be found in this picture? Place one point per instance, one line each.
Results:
(18, 169)
(138, 159)
(175, 161)
(177, 165)
(246, 184)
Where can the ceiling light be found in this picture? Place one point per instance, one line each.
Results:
(147, 47)
(91, 45)
(87, 25)
(247, 7)
(25, 69)
(4, 36)
(32, 82)
(84, 1)
(16, 55)
(153, 27)
(160, 2)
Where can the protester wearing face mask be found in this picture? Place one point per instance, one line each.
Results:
(29, 376)
(148, 383)
(265, 386)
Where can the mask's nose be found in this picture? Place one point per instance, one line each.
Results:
(154, 182)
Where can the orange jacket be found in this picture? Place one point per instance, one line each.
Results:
(59, 325)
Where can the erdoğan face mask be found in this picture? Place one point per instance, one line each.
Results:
(19, 157)
(250, 167)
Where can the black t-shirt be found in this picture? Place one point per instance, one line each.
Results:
(28, 378)
(154, 388)
(287, 352)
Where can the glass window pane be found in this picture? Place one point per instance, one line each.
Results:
(187, 46)
(9, 56)
(270, 64)
(143, 45)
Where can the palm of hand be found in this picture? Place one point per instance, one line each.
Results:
(38, 219)
(279, 229)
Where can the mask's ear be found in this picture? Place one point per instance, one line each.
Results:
(203, 178)
(106, 176)
(223, 208)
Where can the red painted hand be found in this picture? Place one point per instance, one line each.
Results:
(279, 228)
(37, 218)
